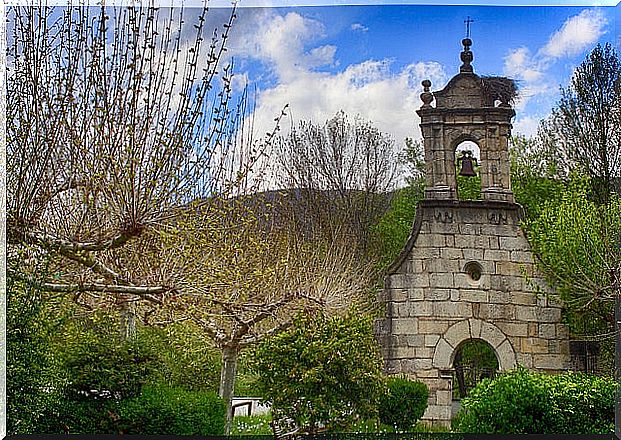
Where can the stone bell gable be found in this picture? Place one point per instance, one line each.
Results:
(467, 272)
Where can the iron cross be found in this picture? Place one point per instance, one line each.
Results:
(468, 21)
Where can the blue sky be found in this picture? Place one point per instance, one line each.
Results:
(370, 60)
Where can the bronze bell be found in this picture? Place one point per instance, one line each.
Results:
(467, 164)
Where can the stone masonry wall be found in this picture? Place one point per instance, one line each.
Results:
(434, 304)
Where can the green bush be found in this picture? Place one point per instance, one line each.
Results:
(157, 410)
(32, 374)
(164, 410)
(322, 373)
(81, 416)
(524, 402)
(403, 403)
(583, 404)
(108, 366)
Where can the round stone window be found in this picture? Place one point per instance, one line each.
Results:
(474, 271)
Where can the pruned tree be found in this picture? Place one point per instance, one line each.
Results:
(130, 170)
(583, 130)
(116, 117)
(343, 172)
(247, 273)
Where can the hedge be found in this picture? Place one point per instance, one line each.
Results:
(163, 410)
(157, 410)
(403, 403)
(525, 402)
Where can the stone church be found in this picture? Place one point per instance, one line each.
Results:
(467, 272)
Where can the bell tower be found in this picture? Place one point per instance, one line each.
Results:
(469, 108)
(466, 274)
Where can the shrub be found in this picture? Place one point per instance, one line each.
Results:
(157, 410)
(81, 416)
(323, 373)
(403, 403)
(107, 366)
(164, 410)
(583, 404)
(515, 402)
(32, 374)
(524, 402)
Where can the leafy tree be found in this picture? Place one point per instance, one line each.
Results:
(583, 131)
(582, 261)
(395, 226)
(535, 180)
(323, 373)
(576, 241)
(412, 158)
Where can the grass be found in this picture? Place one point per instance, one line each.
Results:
(260, 425)
(252, 425)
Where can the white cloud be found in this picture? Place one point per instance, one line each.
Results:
(280, 42)
(531, 70)
(577, 34)
(359, 27)
(290, 47)
(519, 65)
(526, 126)
(320, 56)
(287, 45)
(368, 89)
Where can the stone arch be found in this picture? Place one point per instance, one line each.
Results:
(465, 137)
(445, 350)
(465, 187)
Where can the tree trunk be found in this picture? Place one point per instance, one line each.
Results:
(228, 372)
(128, 322)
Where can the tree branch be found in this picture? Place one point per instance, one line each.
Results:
(48, 240)
(147, 292)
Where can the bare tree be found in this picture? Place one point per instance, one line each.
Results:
(342, 171)
(115, 119)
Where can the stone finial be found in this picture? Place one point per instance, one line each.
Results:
(466, 56)
(426, 96)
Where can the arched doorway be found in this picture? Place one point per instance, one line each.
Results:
(467, 174)
(474, 361)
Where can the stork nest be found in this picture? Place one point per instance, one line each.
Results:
(499, 88)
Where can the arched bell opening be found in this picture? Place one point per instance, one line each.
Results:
(467, 170)
(474, 360)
